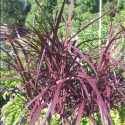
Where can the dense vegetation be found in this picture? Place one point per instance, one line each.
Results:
(14, 12)
(57, 77)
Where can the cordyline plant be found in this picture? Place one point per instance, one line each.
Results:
(57, 78)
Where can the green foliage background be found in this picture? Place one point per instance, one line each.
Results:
(14, 12)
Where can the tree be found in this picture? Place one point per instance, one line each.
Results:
(13, 12)
(35, 11)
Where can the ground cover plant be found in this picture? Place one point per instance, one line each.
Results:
(60, 79)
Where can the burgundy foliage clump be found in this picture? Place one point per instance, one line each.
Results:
(59, 77)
